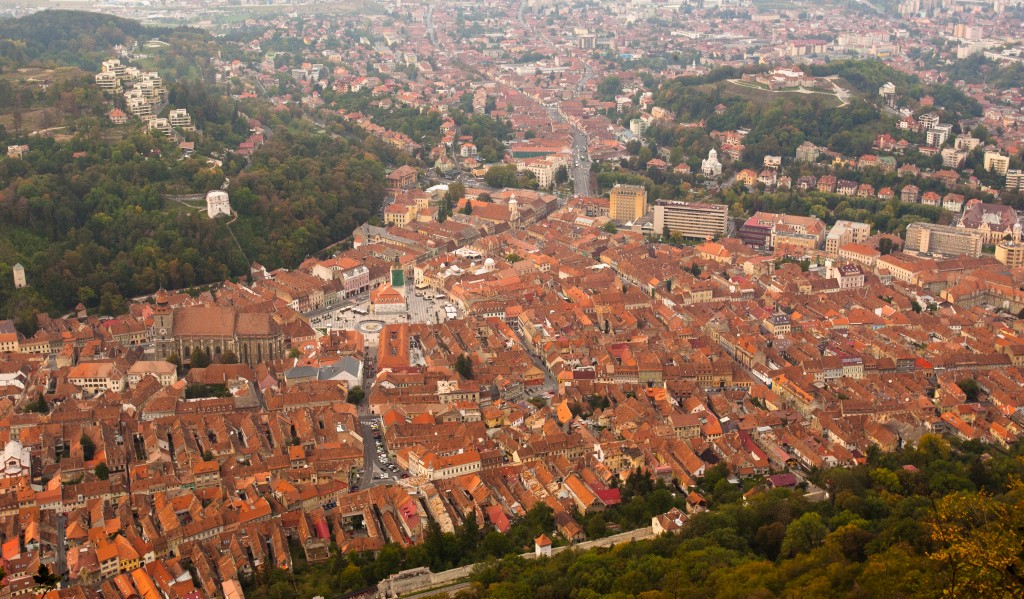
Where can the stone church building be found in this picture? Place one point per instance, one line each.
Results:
(253, 336)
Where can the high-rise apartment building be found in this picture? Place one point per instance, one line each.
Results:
(689, 219)
(628, 202)
(845, 232)
(928, 238)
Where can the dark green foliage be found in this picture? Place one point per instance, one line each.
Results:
(561, 175)
(866, 76)
(44, 578)
(501, 176)
(211, 390)
(971, 388)
(865, 541)
(97, 228)
(355, 395)
(199, 358)
(302, 193)
(88, 447)
(977, 68)
(609, 87)
(439, 551)
(67, 37)
(885, 217)
(39, 406)
(464, 366)
(102, 471)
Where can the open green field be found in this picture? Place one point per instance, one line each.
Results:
(763, 96)
(31, 75)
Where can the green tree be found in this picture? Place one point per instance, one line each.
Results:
(356, 395)
(979, 539)
(102, 471)
(803, 534)
(609, 87)
(88, 447)
(885, 246)
(561, 175)
(456, 191)
(971, 389)
(44, 578)
(501, 176)
(464, 366)
(199, 358)
(38, 406)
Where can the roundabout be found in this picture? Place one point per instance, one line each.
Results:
(370, 326)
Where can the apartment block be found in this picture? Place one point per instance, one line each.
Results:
(628, 202)
(692, 220)
(161, 125)
(994, 161)
(845, 232)
(952, 158)
(937, 135)
(1010, 253)
(180, 118)
(108, 82)
(1014, 180)
(928, 238)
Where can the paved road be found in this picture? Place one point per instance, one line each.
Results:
(450, 591)
(580, 172)
(431, 32)
(375, 471)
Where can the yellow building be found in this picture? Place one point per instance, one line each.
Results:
(399, 214)
(1010, 253)
(994, 161)
(628, 202)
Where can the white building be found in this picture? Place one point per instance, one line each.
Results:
(217, 203)
(888, 93)
(711, 167)
(164, 372)
(994, 161)
(180, 118)
(542, 546)
(161, 125)
(937, 135)
(17, 460)
(19, 276)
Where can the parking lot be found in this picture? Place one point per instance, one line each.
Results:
(378, 466)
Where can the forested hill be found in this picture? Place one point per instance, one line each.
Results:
(67, 38)
(85, 210)
(941, 520)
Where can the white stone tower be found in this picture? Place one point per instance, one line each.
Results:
(19, 276)
(217, 203)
